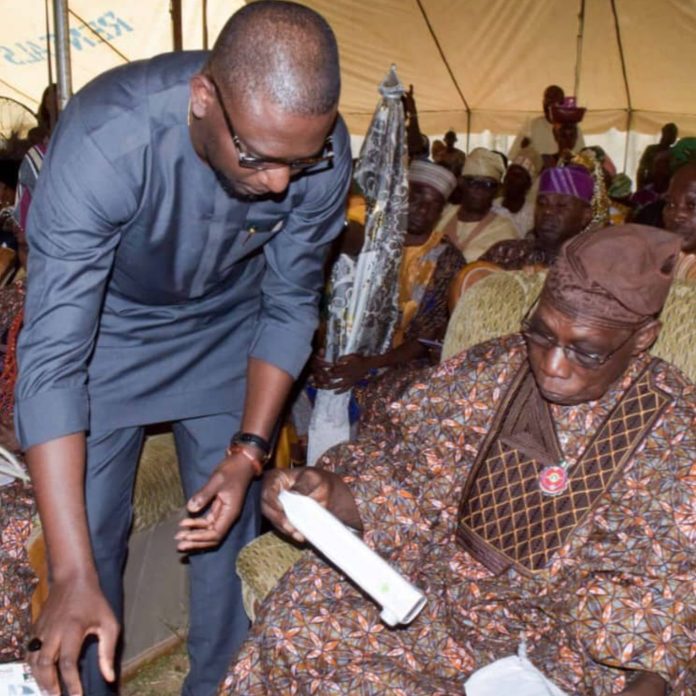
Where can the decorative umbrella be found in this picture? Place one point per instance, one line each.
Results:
(363, 296)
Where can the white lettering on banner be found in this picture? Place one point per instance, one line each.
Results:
(108, 26)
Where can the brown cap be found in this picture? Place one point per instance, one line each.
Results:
(615, 277)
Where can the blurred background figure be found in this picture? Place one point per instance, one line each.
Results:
(668, 137)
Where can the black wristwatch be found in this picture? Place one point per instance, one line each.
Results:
(257, 441)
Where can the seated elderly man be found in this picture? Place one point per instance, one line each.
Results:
(563, 209)
(540, 491)
(474, 227)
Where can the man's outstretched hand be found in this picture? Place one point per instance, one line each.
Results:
(217, 505)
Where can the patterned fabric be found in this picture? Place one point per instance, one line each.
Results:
(17, 508)
(430, 321)
(11, 318)
(417, 268)
(516, 254)
(366, 320)
(432, 315)
(506, 516)
(17, 580)
(618, 595)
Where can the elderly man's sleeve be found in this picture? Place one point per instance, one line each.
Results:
(295, 258)
(72, 234)
(639, 614)
(403, 467)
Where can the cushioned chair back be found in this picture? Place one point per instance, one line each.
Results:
(496, 305)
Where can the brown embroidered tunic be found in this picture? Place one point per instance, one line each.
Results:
(613, 591)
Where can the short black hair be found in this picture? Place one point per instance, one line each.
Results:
(283, 51)
(9, 171)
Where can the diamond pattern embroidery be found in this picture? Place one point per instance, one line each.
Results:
(506, 507)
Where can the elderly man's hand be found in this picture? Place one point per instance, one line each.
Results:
(222, 499)
(646, 684)
(325, 487)
(312, 482)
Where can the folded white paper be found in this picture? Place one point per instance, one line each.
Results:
(401, 602)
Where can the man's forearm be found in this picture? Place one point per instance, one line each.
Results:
(267, 389)
(57, 470)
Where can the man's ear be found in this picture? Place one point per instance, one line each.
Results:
(646, 336)
(586, 215)
(202, 96)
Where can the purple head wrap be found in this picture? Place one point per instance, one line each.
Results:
(572, 180)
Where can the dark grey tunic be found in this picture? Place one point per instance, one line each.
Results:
(146, 291)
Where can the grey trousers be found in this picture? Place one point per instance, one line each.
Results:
(217, 622)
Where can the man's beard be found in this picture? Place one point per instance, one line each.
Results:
(228, 185)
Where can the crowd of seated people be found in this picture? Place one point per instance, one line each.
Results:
(19, 172)
(565, 579)
(507, 483)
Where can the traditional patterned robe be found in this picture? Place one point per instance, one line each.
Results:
(424, 283)
(618, 594)
(516, 254)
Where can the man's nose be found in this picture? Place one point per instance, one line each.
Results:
(556, 364)
(276, 179)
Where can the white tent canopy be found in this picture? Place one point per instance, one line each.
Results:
(478, 66)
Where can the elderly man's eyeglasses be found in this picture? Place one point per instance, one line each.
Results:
(249, 161)
(590, 361)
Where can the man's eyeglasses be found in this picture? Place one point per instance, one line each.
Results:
(249, 161)
(481, 182)
(590, 361)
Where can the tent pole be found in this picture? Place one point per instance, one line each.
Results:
(205, 23)
(629, 101)
(578, 52)
(62, 44)
(449, 70)
(177, 34)
(48, 43)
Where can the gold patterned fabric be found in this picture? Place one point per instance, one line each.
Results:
(505, 517)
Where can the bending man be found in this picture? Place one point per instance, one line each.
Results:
(177, 239)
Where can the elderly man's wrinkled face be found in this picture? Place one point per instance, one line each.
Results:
(558, 217)
(574, 362)
(262, 130)
(680, 209)
(425, 205)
